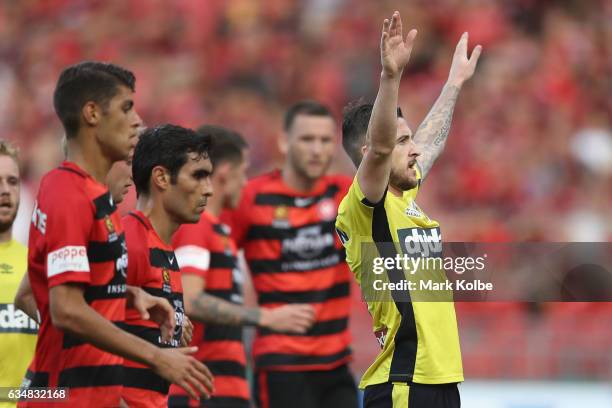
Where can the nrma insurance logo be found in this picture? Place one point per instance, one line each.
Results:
(421, 242)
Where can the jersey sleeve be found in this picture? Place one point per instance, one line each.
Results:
(192, 249)
(67, 238)
(355, 213)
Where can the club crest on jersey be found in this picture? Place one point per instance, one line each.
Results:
(281, 217)
(413, 210)
(327, 210)
(110, 227)
(166, 287)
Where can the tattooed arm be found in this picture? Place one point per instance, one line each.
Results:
(205, 308)
(211, 309)
(431, 135)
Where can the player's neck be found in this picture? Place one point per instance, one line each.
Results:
(161, 221)
(89, 157)
(6, 236)
(395, 191)
(295, 180)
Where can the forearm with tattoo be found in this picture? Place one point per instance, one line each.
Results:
(431, 135)
(210, 309)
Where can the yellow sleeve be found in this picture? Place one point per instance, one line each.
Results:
(355, 214)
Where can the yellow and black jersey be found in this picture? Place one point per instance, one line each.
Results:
(17, 331)
(419, 340)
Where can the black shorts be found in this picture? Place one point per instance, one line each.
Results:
(306, 389)
(395, 395)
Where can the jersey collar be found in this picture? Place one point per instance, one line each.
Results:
(71, 166)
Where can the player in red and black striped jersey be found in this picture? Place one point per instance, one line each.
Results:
(285, 224)
(171, 171)
(77, 253)
(212, 282)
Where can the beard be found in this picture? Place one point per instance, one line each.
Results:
(302, 169)
(6, 225)
(402, 181)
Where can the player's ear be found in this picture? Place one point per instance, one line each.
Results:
(91, 113)
(222, 171)
(160, 177)
(364, 149)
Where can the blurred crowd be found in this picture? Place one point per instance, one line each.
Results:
(530, 152)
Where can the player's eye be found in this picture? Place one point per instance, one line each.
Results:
(201, 174)
(128, 106)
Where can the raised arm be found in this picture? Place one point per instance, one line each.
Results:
(373, 172)
(431, 135)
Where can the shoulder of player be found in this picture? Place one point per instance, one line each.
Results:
(342, 181)
(261, 184)
(190, 234)
(64, 189)
(263, 179)
(136, 234)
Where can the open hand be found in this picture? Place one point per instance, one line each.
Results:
(463, 68)
(295, 318)
(153, 308)
(394, 48)
(178, 367)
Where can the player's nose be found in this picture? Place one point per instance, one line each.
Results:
(138, 123)
(414, 150)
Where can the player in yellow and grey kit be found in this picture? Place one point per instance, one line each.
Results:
(17, 330)
(420, 362)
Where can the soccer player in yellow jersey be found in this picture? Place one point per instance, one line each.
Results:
(419, 365)
(17, 330)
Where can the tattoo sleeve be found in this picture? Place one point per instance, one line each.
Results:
(431, 135)
(210, 309)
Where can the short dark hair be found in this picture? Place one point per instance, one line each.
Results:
(167, 146)
(307, 107)
(355, 121)
(84, 82)
(226, 145)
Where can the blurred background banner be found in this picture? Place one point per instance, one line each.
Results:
(529, 157)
